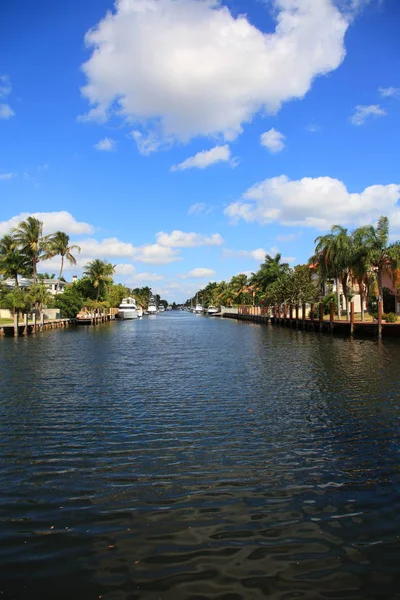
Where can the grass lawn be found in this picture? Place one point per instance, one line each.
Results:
(6, 321)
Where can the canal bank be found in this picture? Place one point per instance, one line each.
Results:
(296, 317)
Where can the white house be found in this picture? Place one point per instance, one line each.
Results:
(50, 284)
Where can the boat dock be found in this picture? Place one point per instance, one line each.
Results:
(29, 324)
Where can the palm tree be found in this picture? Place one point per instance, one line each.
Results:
(39, 296)
(333, 255)
(238, 285)
(381, 255)
(58, 245)
(360, 264)
(271, 270)
(12, 261)
(100, 273)
(29, 238)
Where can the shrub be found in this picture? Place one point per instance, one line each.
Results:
(389, 317)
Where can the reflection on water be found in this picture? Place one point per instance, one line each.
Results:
(183, 457)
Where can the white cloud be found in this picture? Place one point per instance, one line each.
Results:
(200, 208)
(389, 92)
(110, 248)
(199, 273)
(204, 159)
(106, 144)
(125, 269)
(182, 68)
(313, 202)
(180, 239)
(273, 140)
(52, 221)
(145, 278)
(362, 112)
(154, 254)
(6, 112)
(6, 176)
(146, 144)
(257, 254)
(5, 86)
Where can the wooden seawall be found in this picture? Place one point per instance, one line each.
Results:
(25, 326)
(289, 316)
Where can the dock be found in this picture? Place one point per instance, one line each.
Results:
(29, 324)
(295, 317)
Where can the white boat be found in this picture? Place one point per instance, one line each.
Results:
(127, 309)
(169, 307)
(140, 312)
(161, 308)
(152, 308)
(198, 309)
(212, 310)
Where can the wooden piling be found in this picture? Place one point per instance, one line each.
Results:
(312, 316)
(351, 317)
(321, 316)
(297, 316)
(303, 315)
(25, 330)
(34, 323)
(41, 320)
(16, 328)
(331, 316)
(380, 313)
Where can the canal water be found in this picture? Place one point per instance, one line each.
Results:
(184, 457)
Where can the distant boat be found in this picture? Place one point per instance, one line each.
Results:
(198, 309)
(128, 309)
(161, 308)
(169, 307)
(212, 310)
(152, 308)
(140, 312)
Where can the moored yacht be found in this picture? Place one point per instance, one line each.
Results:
(212, 310)
(152, 308)
(198, 309)
(127, 309)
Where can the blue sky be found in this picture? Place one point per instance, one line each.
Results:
(183, 139)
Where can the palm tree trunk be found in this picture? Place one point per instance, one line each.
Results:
(61, 272)
(380, 285)
(16, 280)
(338, 297)
(34, 271)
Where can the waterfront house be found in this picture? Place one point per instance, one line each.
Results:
(50, 284)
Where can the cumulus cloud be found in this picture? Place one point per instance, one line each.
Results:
(273, 140)
(6, 176)
(180, 239)
(107, 145)
(183, 68)
(145, 278)
(389, 92)
(52, 221)
(257, 254)
(110, 248)
(6, 112)
(313, 202)
(204, 159)
(362, 112)
(199, 273)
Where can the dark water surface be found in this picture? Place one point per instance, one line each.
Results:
(182, 457)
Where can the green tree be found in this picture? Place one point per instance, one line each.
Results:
(100, 273)
(29, 238)
(116, 293)
(270, 270)
(12, 261)
(59, 245)
(382, 256)
(39, 296)
(333, 258)
(17, 300)
(70, 302)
